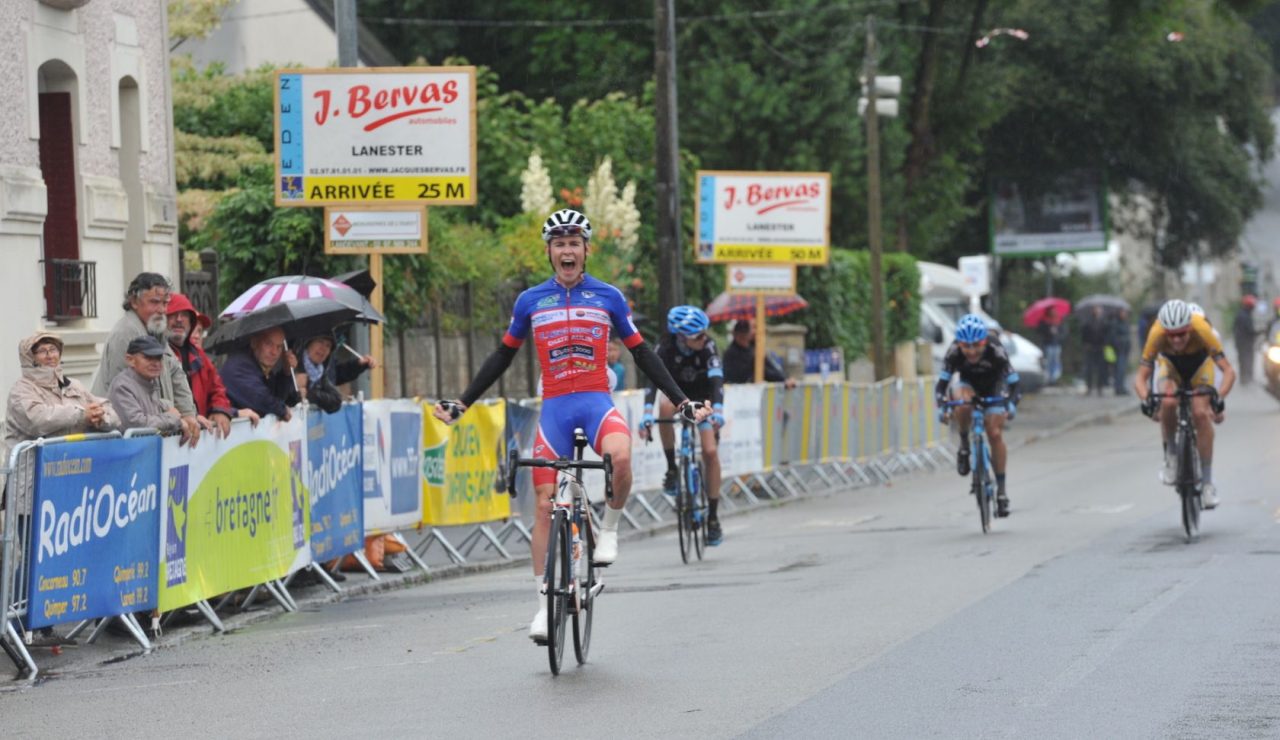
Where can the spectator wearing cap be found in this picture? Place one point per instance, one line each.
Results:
(261, 377)
(45, 402)
(206, 384)
(135, 392)
(740, 359)
(144, 315)
(1246, 336)
(324, 373)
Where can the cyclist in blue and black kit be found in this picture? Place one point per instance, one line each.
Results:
(691, 358)
(570, 317)
(981, 368)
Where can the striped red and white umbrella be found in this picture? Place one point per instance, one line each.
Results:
(289, 288)
(730, 306)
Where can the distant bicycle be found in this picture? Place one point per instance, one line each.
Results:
(983, 487)
(1187, 480)
(691, 498)
(572, 576)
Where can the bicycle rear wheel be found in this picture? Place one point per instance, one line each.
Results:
(980, 484)
(698, 515)
(586, 590)
(559, 563)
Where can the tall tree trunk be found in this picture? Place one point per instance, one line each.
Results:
(975, 28)
(922, 147)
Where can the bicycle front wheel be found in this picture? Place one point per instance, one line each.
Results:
(559, 567)
(980, 484)
(684, 515)
(586, 592)
(698, 515)
(1187, 481)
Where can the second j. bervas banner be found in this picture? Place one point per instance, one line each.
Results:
(382, 135)
(764, 217)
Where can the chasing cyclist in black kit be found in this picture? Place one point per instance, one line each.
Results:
(690, 356)
(984, 371)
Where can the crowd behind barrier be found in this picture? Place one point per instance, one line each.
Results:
(104, 527)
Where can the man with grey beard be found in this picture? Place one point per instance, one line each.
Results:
(144, 313)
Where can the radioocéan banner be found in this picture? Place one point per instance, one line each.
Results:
(96, 522)
(459, 465)
(382, 135)
(235, 512)
(334, 479)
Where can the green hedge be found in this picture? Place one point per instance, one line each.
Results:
(839, 296)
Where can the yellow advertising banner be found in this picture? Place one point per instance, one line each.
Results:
(459, 466)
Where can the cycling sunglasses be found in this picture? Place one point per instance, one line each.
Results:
(973, 345)
(699, 337)
(1178, 332)
(566, 230)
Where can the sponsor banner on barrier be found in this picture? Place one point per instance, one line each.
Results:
(459, 465)
(335, 481)
(392, 479)
(96, 521)
(235, 512)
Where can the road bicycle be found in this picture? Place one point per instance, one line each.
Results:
(1187, 479)
(984, 480)
(572, 577)
(691, 497)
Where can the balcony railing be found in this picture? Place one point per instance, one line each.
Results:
(71, 289)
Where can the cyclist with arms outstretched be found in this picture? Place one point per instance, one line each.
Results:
(690, 357)
(1186, 349)
(982, 369)
(570, 317)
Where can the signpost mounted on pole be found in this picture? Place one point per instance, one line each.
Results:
(763, 224)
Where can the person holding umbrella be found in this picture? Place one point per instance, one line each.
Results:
(261, 377)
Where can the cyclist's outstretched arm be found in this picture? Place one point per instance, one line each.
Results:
(940, 388)
(492, 369)
(651, 365)
(1228, 374)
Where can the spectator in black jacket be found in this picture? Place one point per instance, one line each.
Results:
(260, 378)
(325, 373)
(1118, 338)
(739, 359)
(1093, 336)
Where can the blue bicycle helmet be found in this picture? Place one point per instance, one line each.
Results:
(971, 328)
(687, 320)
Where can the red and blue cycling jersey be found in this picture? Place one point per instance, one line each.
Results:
(571, 330)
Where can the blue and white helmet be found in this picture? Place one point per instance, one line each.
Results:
(687, 320)
(971, 328)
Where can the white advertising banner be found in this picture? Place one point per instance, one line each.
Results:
(755, 279)
(779, 217)
(380, 135)
(392, 464)
(375, 230)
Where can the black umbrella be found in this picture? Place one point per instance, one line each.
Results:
(305, 317)
(1106, 302)
(360, 280)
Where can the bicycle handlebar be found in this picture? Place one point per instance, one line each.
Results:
(559, 464)
(977, 401)
(1204, 390)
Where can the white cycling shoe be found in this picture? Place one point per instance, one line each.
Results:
(1169, 473)
(606, 548)
(538, 627)
(1208, 496)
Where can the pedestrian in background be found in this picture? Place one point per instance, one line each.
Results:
(1093, 339)
(1246, 336)
(1051, 335)
(1119, 340)
(739, 358)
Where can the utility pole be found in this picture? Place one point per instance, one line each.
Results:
(344, 21)
(873, 207)
(670, 252)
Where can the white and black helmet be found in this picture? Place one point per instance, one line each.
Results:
(1175, 315)
(566, 222)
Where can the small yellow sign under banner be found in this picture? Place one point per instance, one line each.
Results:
(460, 464)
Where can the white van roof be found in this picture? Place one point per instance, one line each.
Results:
(940, 281)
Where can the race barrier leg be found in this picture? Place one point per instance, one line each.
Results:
(643, 502)
(482, 532)
(210, 615)
(409, 551)
(433, 536)
(17, 651)
(739, 483)
(515, 527)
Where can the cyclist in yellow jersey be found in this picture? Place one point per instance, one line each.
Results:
(1187, 349)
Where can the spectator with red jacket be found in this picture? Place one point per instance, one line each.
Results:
(206, 385)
